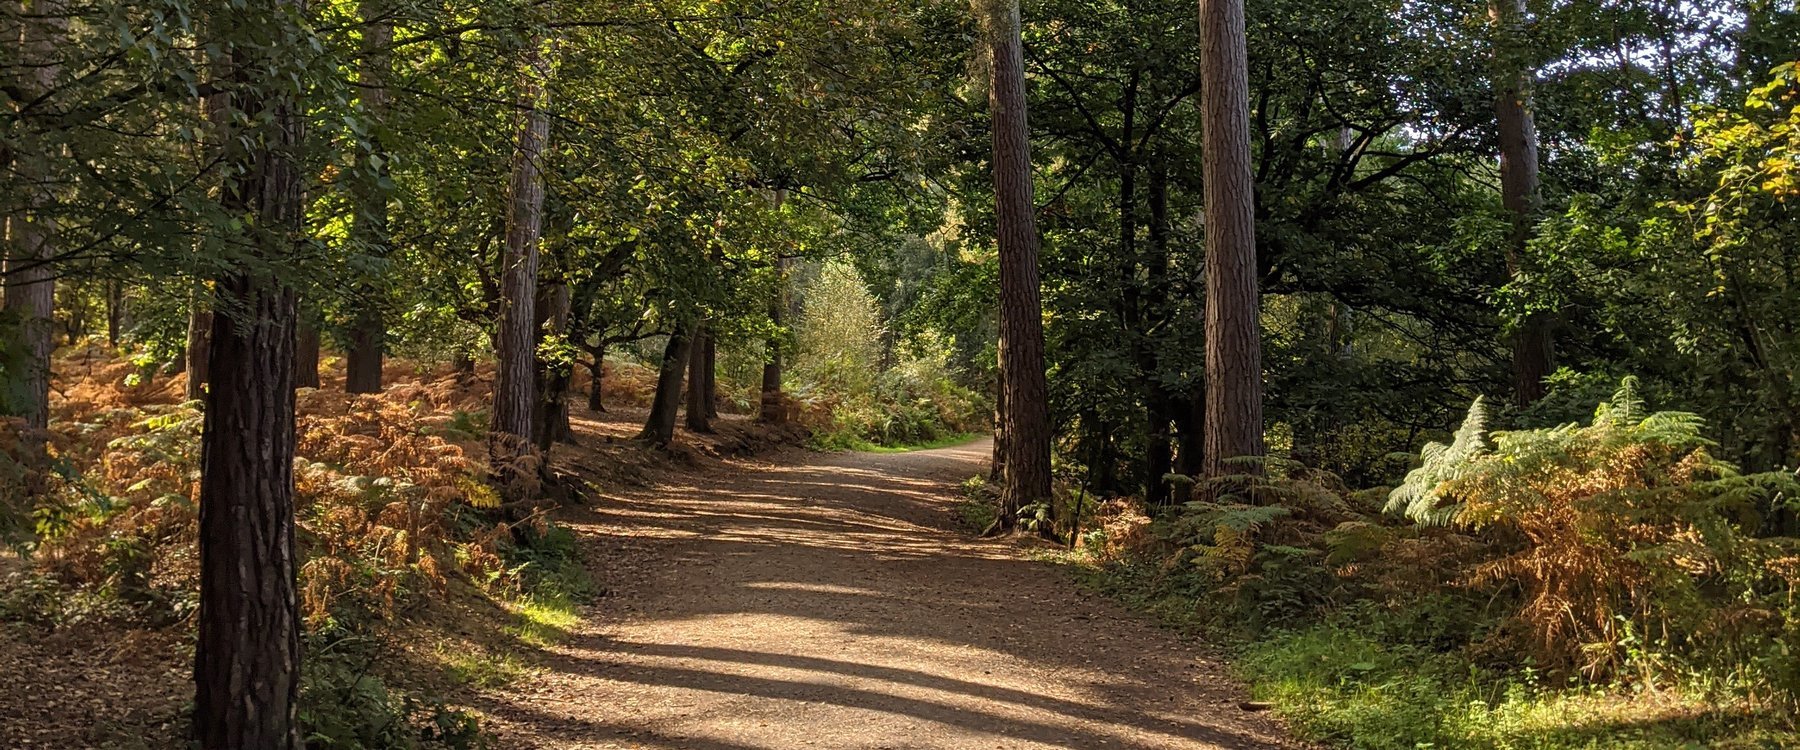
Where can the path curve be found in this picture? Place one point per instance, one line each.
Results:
(823, 602)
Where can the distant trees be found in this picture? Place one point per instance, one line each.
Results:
(1532, 338)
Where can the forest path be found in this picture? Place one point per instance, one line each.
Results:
(823, 600)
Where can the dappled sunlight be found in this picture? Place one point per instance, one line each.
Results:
(835, 596)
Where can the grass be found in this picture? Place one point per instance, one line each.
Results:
(482, 668)
(544, 618)
(841, 442)
(1336, 684)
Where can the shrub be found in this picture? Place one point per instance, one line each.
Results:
(1621, 531)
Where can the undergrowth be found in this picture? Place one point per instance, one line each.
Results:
(394, 513)
(1607, 585)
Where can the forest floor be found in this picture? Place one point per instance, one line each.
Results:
(750, 595)
(828, 600)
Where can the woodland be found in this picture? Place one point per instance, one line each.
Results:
(1433, 361)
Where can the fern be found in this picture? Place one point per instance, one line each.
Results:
(1421, 497)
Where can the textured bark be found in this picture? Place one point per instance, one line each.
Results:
(306, 356)
(1533, 341)
(515, 384)
(697, 418)
(1027, 414)
(247, 661)
(1234, 388)
(30, 277)
(997, 467)
(368, 331)
(659, 427)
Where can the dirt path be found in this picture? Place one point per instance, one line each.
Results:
(824, 602)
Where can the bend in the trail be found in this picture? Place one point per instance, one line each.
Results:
(823, 602)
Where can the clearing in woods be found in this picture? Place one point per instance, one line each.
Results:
(825, 601)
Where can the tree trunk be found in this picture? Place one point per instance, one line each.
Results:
(115, 312)
(1533, 341)
(368, 330)
(773, 408)
(552, 422)
(30, 280)
(659, 428)
(711, 370)
(997, 467)
(199, 340)
(697, 418)
(1159, 406)
(597, 373)
(1234, 388)
(306, 356)
(1027, 414)
(515, 385)
(247, 661)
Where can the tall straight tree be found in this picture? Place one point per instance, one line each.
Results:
(1533, 340)
(1026, 417)
(368, 330)
(1234, 388)
(515, 387)
(30, 279)
(247, 661)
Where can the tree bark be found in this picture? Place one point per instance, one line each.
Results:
(697, 418)
(597, 373)
(247, 661)
(552, 422)
(659, 428)
(1533, 341)
(1027, 414)
(515, 386)
(368, 330)
(773, 407)
(1234, 388)
(711, 370)
(115, 312)
(306, 356)
(30, 280)
(199, 338)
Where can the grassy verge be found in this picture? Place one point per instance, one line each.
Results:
(1337, 684)
(838, 442)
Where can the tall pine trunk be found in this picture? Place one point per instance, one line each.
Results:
(30, 288)
(368, 330)
(247, 660)
(1027, 412)
(1234, 387)
(659, 427)
(515, 384)
(1533, 340)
